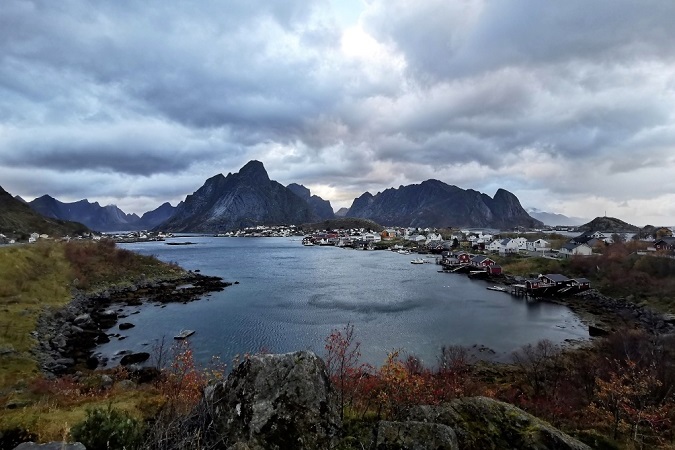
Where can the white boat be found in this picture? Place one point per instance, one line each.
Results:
(403, 252)
(417, 261)
(496, 288)
(184, 334)
(307, 242)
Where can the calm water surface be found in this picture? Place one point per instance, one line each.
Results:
(290, 297)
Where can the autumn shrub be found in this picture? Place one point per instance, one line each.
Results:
(108, 429)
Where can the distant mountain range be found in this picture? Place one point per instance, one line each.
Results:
(249, 198)
(553, 219)
(436, 204)
(18, 219)
(100, 218)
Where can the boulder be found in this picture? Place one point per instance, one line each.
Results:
(126, 325)
(275, 402)
(134, 358)
(482, 423)
(415, 436)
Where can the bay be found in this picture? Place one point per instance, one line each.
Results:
(290, 297)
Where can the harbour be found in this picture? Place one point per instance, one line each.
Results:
(290, 297)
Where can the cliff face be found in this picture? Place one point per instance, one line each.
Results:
(436, 204)
(321, 208)
(238, 200)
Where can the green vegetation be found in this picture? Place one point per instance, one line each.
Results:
(35, 277)
(110, 429)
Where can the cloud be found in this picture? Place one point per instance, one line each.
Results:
(561, 102)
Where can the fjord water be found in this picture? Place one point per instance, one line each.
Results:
(290, 297)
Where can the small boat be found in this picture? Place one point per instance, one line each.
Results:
(184, 334)
(496, 288)
(417, 261)
(403, 252)
(307, 242)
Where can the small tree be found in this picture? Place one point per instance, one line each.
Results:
(342, 360)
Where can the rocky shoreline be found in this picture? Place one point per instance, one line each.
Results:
(66, 337)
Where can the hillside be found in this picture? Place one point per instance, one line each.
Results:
(609, 224)
(18, 220)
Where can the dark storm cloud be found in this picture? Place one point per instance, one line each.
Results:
(463, 91)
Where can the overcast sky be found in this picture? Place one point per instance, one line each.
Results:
(570, 105)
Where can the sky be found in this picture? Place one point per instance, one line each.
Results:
(569, 105)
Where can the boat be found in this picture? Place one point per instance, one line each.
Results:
(417, 261)
(307, 242)
(403, 252)
(496, 288)
(184, 334)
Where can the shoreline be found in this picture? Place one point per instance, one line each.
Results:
(66, 337)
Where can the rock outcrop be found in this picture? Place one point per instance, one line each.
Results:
(482, 423)
(275, 402)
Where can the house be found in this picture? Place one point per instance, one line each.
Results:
(554, 279)
(508, 246)
(33, 237)
(571, 249)
(539, 245)
(581, 283)
(494, 269)
(388, 234)
(463, 258)
(482, 261)
(434, 237)
(665, 244)
(520, 243)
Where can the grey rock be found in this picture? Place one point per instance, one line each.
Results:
(50, 446)
(134, 358)
(415, 436)
(482, 423)
(276, 402)
(106, 381)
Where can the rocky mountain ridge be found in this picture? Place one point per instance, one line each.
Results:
(433, 203)
(17, 218)
(239, 200)
(97, 217)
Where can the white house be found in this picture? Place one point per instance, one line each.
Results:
(570, 249)
(538, 245)
(520, 243)
(434, 237)
(33, 237)
(494, 246)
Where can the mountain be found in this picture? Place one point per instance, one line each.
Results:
(17, 219)
(609, 224)
(239, 200)
(153, 218)
(342, 212)
(554, 219)
(93, 215)
(436, 204)
(320, 207)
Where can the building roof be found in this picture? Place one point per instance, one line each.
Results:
(557, 277)
(582, 280)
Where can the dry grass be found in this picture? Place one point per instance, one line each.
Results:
(41, 275)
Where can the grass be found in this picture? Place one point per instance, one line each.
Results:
(39, 276)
